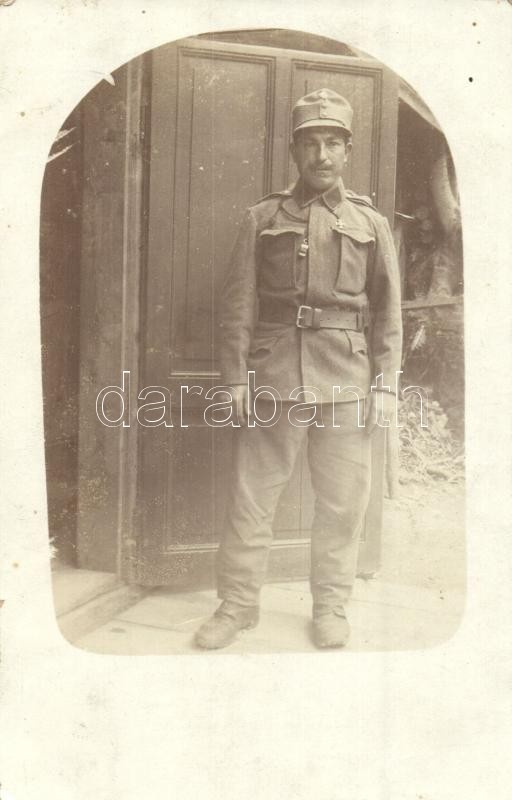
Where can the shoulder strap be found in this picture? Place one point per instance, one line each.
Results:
(360, 199)
(282, 193)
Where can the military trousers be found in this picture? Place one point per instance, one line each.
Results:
(264, 457)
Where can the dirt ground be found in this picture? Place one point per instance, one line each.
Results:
(424, 537)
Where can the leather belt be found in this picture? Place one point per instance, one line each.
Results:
(310, 317)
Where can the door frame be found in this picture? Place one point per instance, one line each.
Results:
(107, 488)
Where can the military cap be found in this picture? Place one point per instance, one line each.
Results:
(322, 108)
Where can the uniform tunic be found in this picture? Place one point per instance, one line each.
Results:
(334, 252)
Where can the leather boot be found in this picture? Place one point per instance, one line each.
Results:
(331, 629)
(221, 629)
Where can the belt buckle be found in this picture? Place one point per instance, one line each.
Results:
(308, 317)
(302, 314)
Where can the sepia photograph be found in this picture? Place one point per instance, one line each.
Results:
(255, 449)
(252, 334)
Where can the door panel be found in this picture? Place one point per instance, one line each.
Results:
(219, 142)
(201, 458)
(221, 167)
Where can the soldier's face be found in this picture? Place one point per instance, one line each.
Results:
(320, 155)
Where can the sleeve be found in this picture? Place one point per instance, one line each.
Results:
(385, 309)
(238, 304)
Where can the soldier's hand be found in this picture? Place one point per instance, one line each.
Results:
(241, 403)
(381, 411)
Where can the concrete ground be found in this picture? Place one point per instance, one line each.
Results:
(383, 617)
(416, 601)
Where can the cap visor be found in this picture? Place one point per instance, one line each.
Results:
(322, 123)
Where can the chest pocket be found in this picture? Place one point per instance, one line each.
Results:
(279, 252)
(355, 246)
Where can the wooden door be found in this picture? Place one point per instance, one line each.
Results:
(219, 141)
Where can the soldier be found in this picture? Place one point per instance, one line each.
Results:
(312, 307)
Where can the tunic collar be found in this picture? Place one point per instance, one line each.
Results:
(296, 208)
(332, 197)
